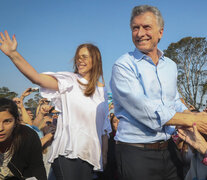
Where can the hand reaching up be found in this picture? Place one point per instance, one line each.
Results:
(7, 45)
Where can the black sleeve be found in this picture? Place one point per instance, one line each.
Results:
(35, 160)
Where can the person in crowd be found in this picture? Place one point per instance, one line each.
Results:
(25, 113)
(80, 141)
(110, 172)
(198, 168)
(41, 102)
(146, 101)
(20, 147)
(17, 101)
(114, 122)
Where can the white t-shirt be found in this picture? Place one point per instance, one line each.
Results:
(82, 121)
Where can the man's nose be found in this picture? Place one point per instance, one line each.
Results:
(141, 32)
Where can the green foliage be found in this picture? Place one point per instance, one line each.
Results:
(33, 102)
(6, 93)
(190, 54)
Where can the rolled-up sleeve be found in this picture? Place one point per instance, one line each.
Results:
(129, 95)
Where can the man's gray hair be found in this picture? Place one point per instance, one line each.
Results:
(138, 10)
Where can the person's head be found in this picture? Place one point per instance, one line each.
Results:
(44, 101)
(17, 101)
(88, 63)
(9, 118)
(147, 26)
(114, 123)
(111, 116)
(30, 113)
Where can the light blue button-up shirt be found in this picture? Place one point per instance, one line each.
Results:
(145, 97)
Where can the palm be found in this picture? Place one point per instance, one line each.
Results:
(7, 45)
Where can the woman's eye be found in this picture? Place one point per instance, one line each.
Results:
(7, 121)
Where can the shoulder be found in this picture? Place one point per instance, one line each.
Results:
(99, 84)
(170, 62)
(27, 134)
(125, 58)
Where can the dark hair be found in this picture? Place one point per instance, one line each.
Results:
(96, 71)
(11, 107)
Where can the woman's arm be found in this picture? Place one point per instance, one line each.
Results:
(25, 116)
(48, 137)
(8, 46)
(194, 138)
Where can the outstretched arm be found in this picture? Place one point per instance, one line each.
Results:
(188, 119)
(8, 46)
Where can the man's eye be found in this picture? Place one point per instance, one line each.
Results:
(135, 28)
(147, 27)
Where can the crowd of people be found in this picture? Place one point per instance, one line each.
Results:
(73, 135)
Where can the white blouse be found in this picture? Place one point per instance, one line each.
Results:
(82, 121)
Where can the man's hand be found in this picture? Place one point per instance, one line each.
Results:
(201, 122)
(7, 45)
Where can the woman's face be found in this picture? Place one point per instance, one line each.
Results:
(84, 63)
(7, 124)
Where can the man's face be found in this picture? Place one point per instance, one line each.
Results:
(146, 32)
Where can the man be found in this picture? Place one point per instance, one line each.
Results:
(146, 100)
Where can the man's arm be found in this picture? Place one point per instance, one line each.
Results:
(188, 119)
(128, 91)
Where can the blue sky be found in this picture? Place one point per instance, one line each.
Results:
(49, 31)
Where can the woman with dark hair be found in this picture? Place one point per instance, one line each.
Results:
(80, 142)
(20, 147)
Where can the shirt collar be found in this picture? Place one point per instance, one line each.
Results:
(140, 56)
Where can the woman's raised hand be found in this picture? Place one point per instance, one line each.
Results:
(7, 45)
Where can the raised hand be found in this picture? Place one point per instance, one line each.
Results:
(27, 92)
(7, 45)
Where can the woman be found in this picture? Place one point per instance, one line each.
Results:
(80, 141)
(20, 147)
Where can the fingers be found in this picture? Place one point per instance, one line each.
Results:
(14, 39)
(2, 36)
(195, 128)
(7, 35)
(181, 134)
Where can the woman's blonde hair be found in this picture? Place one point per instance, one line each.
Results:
(96, 71)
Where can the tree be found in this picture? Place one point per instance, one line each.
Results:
(190, 54)
(33, 102)
(6, 93)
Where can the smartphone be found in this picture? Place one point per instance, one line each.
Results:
(35, 89)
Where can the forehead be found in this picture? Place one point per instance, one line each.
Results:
(83, 51)
(5, 115)
(145, 18)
